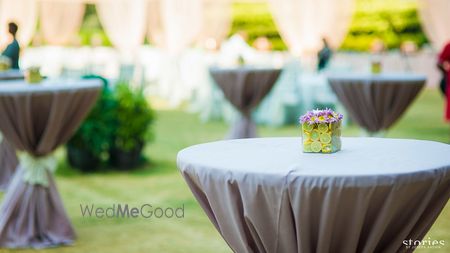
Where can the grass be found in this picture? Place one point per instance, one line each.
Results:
(160, 184)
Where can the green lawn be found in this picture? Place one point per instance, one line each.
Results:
(160, 184)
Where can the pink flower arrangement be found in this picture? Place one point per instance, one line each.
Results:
(321, 116)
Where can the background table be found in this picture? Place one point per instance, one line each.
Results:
(376, 102)
(8, 158)
(245, 87)
(36, 119)
(8, 162)
(12, 74)
(265, 195)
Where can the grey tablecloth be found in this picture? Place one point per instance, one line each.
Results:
(37, 119)
(245, 88)
(8, 163)
(376, 102)
(265, 195)
(8, 158)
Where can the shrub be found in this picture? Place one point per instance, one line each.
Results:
(96, 132)
(133, 118)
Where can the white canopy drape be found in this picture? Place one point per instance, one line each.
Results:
(124, 22)
(303, 23)
(435, 20)
(216, 21)
(22, 12)
(61, 20)
(174, 24)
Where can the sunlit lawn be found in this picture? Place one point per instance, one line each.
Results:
(160, 184)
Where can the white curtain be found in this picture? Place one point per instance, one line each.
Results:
(434, 15)
(124, 21)
(216, 21)
(61, 20)
(23, 13)
(174, 24)
(303, 23)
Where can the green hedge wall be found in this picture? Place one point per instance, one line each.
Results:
(391, 21)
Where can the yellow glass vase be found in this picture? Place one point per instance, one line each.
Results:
(321, 137)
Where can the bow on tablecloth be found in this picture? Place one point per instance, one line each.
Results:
(37, 168)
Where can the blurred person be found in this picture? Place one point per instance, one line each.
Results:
(262, 43)
(211, 44)
(12, 51)
(377, 46)
(407, 49)
(444, 66)
(96, 40)
(242, 34)
(324, 55)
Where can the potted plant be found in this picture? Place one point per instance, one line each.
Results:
(91, 142)
(132, 127)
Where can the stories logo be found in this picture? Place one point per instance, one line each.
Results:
(424, 244)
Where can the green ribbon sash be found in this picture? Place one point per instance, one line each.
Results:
(36, 168)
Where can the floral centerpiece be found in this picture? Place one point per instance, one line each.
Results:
(321, 131)
(5, 63)
(33, 75)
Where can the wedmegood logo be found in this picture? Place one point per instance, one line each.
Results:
(146, 211)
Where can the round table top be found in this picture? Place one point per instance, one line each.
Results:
(21, 86)
(12, 74)
(359, 157)
(296, 202)
(243, 68)
(382, 77)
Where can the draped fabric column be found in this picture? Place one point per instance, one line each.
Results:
(61, 20)
(124, 22)
(434, 17)
(216, 22)
(303, 23)
(174, 24)
(22, 12)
